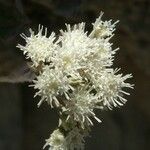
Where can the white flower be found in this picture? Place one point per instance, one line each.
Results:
(39, 47)
(75, 44)
(56, 141)
(102, 29)
(110, 88)
(100, 56)
(81, 106)
(51, 83)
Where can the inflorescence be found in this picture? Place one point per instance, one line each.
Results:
(75, 75)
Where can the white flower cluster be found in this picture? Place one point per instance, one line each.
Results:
(73, 140)
(75, 75)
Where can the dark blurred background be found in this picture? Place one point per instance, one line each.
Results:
(23, 126)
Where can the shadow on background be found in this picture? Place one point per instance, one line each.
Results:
(25, 127)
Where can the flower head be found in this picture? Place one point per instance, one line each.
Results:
(81, 106)
(39, 47)
(51, 83)
(56, 141)
(102, 29)
(110, 88)
(75, 44)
